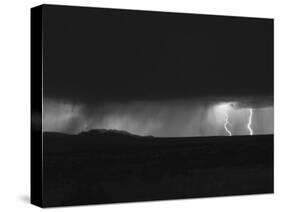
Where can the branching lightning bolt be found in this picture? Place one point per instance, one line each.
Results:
(226, 123)
(250, 121)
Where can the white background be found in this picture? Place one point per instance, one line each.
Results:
(15, 103)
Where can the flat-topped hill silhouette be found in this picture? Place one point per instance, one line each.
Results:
(102, 166)
(109, 132)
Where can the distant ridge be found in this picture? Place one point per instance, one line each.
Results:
(110, 132)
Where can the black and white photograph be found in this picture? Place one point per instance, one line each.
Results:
(138, 105)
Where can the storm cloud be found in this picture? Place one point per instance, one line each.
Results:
(178, 118)
(161, 75)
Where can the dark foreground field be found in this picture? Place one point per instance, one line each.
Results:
(107, 167)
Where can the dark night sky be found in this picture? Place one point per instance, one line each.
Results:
(93, 55)
(153, 73)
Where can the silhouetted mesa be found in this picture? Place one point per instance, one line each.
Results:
(108, 132)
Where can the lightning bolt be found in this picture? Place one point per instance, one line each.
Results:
(250, 121)
(226, 123)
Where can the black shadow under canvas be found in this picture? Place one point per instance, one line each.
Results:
(134, 105)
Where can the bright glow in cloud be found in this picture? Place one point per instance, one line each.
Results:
(224, 109)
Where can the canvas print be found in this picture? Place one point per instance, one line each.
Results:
(134, 105)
